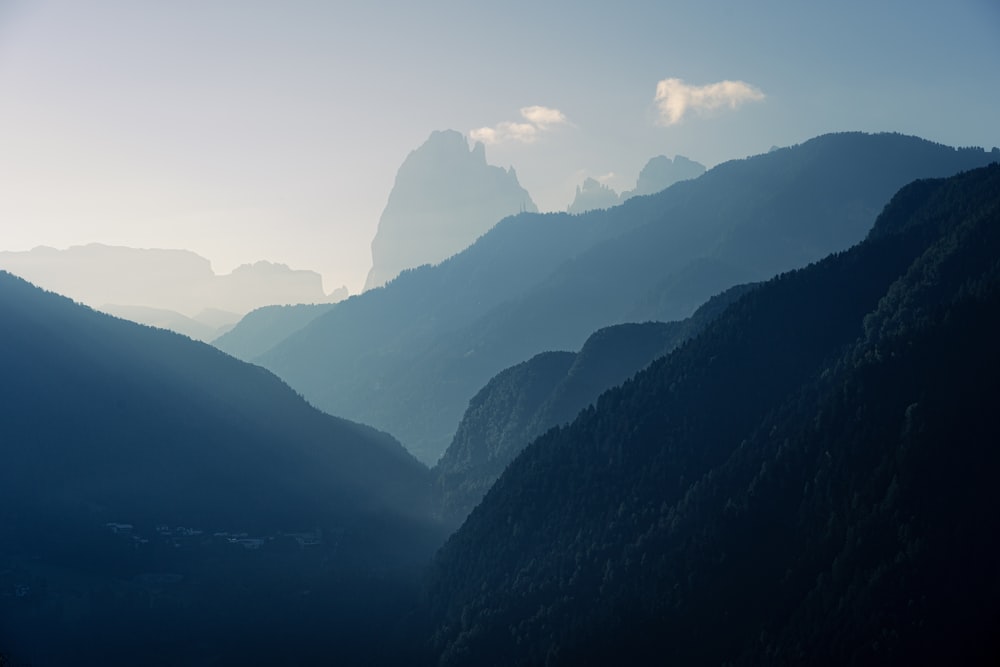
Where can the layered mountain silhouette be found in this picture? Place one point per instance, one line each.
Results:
(810, 480)
(591, 195)
(522, 402)
(205, 326)
(445, 196)
(176, 289)
(154, 487)
(659, 173)
(261, 329)
(408, 358)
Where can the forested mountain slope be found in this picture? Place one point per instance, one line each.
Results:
(158, 497)
(809, 481)
(522, 402)
(409, 357)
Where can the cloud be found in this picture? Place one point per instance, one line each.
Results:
(506, 131)
(674, 98)
(543, 116)
(539, 119)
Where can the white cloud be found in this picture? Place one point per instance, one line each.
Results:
(543, 116)
(487, 135)
(539, 119)
(674, 98)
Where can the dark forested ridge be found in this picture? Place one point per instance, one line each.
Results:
(161, 500)
(522, 402)
(809, 481)
(409, 357)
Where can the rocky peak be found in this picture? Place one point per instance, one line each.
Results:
(445, 196)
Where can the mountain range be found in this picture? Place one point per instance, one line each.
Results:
(408, 358)
(659, 173)
(809, 480)
(174, 289)
(746, 420)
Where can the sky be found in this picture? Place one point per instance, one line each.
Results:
(247, 130)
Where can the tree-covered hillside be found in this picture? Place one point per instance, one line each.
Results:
(809, 481)
(160, 500)
(550, 389)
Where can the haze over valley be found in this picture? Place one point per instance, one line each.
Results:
(459, 336)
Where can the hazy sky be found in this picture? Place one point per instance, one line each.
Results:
(248, 130)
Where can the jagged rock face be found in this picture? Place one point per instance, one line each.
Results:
(445, 197)
(265, 283)
(593, 195)
(661, 172)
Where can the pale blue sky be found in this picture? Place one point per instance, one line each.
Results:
(250, 130)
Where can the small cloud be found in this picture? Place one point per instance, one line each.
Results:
(543, 116)
(674, 98)
(506, 131)
(540, 119)
(487, 135)
(607, 178)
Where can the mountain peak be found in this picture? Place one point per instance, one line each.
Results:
(445, 196)
(659, 174)
(592, 194)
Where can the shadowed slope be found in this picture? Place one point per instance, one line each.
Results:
(161, 500)
(808, 481)
(548, 390)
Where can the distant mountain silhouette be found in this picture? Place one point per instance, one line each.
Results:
(119, 440)
(206, 326)
(592, 195)
(221, 320)
(445, 196)
(811, 480)
(263, 328)
(409, 357)
(659, 173)
(143, 283)
(524, 401)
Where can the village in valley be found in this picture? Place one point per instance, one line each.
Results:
(181, 536)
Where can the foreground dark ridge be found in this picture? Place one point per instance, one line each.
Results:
(164, 503)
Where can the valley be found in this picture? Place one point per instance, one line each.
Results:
(477, 335)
